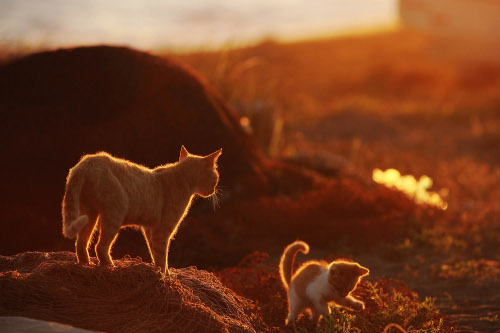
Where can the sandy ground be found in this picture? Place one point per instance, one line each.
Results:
(471, 303)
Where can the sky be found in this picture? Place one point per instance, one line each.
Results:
(149, 24)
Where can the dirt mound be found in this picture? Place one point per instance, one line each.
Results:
(57, 106)
(131, 297)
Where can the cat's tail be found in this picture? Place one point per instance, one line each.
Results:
(287, 259)
(72, 223)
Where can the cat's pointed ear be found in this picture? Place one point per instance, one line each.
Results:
(214, 156)
(184, 153)
(362, 271)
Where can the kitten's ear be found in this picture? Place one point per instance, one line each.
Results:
(362, 271)
(184, 153)
(334, 270)
(214, 156)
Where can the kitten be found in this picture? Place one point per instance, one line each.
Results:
(118, 193)
(315, 284)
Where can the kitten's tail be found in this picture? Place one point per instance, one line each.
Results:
(72, 223)
(287, 259)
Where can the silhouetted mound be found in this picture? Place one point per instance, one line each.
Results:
(130, 297)
(59, 105)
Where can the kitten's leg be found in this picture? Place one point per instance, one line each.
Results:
(350, 302)
(320, 306)
(83, 239)
(293, 312)
(315, 315)
(295, 307)
(109, 228)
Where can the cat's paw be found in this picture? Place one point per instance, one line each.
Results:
(358, 306)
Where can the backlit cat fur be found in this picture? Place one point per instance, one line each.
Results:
(117, 193)
(316, 284)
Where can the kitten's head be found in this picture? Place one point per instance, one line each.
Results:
(344, 276)
(202, 171)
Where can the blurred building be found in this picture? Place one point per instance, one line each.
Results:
(466, 18)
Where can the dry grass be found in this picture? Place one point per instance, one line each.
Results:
(130, 297)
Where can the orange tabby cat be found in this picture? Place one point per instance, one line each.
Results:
(118, 193)
(315, 284)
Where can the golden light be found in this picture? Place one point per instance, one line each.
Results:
(418, 190)
(188, 25)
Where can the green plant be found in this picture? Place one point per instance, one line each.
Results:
(392, 302)
(338, 321)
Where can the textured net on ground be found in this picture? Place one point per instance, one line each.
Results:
(130, 297)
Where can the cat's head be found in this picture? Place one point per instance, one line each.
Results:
(202, 171)
(344, 276)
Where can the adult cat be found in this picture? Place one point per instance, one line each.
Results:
(117, 193)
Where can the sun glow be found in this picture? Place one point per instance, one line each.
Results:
(418, 190)
(186, 24)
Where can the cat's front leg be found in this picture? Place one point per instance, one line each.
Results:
(350, 302)
(320, 307)
(160, 239)
(315, 316)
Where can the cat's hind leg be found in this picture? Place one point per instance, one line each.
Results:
(296, 306)
(83, 239)
(109, 225)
